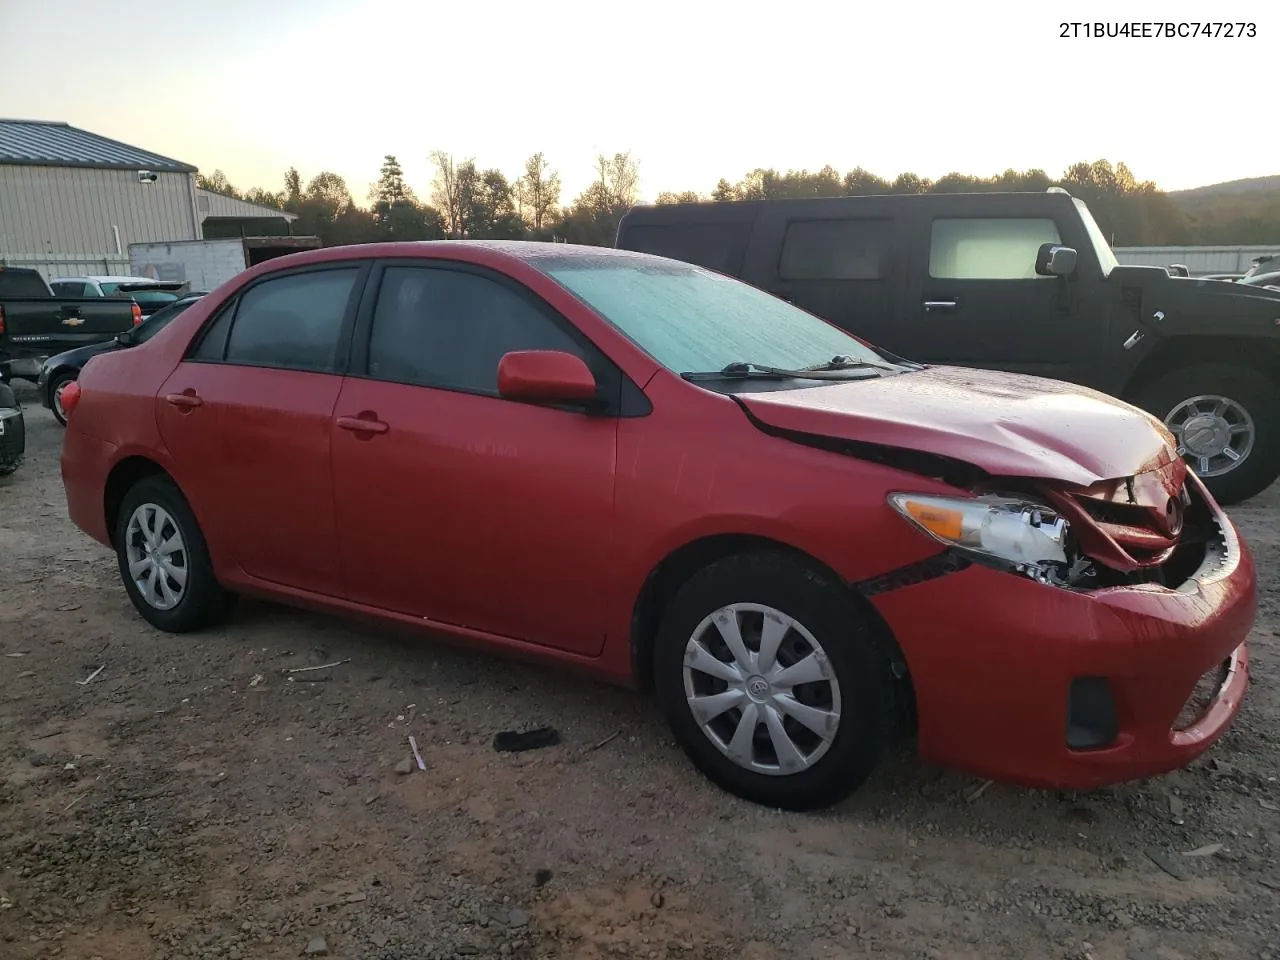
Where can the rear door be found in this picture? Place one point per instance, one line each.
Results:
(976, 299)
(248, 418)
(455, 504)
(841, 260)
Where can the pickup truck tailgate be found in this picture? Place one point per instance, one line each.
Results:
(54, 324)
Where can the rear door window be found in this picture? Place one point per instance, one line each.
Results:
(835, 249)
(294, 322)
(988, 249)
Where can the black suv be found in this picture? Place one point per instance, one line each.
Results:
(1024, 282)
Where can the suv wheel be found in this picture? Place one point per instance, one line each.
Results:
(1227, 423)
(773, 682)
(164, 560)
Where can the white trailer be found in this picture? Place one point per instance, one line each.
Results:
(206, 264)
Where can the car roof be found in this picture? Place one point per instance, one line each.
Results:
(485, 252)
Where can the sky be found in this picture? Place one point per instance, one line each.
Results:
(694, 90)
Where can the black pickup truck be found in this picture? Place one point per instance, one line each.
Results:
(1024, 282)
(34, 323)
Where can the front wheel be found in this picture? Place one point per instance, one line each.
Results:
(1227, 423)
(164, 561)
(56, 387)
(772, 682)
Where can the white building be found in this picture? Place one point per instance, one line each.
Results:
(71, 201)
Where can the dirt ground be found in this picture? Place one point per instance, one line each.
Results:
(193, 801)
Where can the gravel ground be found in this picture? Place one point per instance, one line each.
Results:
(193, 801)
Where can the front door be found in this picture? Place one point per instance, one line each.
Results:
(454, 504)
(248, 419)
(979, 302)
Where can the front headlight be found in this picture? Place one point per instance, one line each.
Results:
(1026, 534)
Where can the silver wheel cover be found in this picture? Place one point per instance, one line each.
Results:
(761, 688)
(156, 556)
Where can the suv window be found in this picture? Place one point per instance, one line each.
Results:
(290, 322)
(835, 250)
(68, 288)
(988, 249)
(716, 246)
(449, 328)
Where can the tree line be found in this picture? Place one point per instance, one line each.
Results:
(465, 200)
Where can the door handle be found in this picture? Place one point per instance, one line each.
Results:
(940, 304)
(183, 399)
(361, 425)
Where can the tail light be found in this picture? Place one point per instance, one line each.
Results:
(1, 321)
(137, 314)
(70, 397)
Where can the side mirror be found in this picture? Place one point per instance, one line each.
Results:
(545, 376)
(1054, 260)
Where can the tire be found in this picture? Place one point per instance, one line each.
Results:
(13, 443)
(839, 763)
(202, 601)
(55, 385)
(1248, 391)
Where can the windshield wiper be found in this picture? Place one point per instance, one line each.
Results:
(743, 370)
(848, 363)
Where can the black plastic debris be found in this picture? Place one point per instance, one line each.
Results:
(510, 741)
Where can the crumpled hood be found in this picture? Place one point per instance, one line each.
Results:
(1005, 424)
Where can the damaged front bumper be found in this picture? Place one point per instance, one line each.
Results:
(1076, 688)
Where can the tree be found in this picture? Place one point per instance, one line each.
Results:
(390, 188)
(684, 196)
(217, 183)
(724, 191)
(264, 198)
(453, 190)
(491, 213)
(396, 213)
(292, 190)
(862, 183)
(537, 193)
(595, 214)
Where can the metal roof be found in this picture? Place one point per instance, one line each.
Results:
(46, 143)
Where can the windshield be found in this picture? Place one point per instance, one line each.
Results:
(1106, 257)
(160, 319)
(691, 319)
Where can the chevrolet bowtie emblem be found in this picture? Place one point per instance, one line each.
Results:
(72, 321)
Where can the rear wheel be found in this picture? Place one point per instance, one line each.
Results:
(164, 560)
(772, 682)
(56, 386)
(1227, 423)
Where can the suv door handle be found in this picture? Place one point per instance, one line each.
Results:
(940, 304)
(361, 425)
(183, 399)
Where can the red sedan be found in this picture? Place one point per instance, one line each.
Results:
(642, 468)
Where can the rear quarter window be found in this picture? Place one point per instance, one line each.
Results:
(716, 246)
